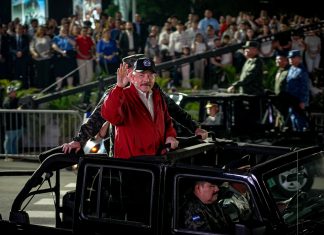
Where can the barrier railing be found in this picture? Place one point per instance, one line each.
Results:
(27, 133)
(317, 120)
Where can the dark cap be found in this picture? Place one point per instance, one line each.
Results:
(144, 64)
(294, 53)
(254, 44)
(130, 60)
(282, 53)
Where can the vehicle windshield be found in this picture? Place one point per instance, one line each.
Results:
(298, 190)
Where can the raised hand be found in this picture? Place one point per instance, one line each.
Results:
(122, 79)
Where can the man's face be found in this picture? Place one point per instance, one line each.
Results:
(19, 29)
(212, 111)
(84, 32)
(295, 61)
(207, 192)
(250, 52)
(281, 61)
(129, 26)
(143, 81)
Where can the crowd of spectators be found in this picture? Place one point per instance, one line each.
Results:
(39, 55)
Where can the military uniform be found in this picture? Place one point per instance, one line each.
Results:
(297, 83)
(235, 204)
(203, 217)
(251, 79)
(298, 88)
(280, 80)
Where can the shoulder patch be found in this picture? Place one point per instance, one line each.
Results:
(195, 218)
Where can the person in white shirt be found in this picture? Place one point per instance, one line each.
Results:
(214, 115)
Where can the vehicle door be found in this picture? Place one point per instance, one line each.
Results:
(239, 212)
(117, 195)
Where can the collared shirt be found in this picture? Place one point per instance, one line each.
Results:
(18, 38)
(130, 39)
(138, 28)
(63, 42)
(203, 23)
(280, 80)
(147, 100)
(137, 134)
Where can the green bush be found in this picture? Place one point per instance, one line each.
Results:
(66, 102)
(270, 70)
(230, 73)
(196, 83)
(162, 82)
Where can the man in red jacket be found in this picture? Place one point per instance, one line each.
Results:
(139, 112)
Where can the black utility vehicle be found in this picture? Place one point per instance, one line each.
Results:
(145, 195)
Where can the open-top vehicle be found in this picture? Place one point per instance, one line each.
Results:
(145, 195)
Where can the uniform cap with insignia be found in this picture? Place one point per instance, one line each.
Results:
(294, 53)
(144, 64)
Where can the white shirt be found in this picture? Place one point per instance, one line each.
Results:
(130, 39)
(147, 100)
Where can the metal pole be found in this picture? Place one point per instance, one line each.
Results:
(133, 10)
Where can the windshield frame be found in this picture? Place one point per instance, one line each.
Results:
(310, 162)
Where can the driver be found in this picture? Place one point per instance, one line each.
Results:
(201, 210)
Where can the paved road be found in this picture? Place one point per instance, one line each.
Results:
(40, 209)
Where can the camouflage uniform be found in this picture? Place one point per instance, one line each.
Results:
(235, 204)
(202, 217)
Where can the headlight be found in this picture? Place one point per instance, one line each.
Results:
(95, 148)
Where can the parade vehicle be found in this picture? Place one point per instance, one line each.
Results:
(146, 195)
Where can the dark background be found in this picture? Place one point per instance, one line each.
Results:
(157, 11)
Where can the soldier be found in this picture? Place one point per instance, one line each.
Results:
(297, 86)
(202, 212)
(252, 72)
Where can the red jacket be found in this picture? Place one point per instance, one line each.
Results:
(137, 134)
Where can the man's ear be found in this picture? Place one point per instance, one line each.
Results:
(197, 188)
